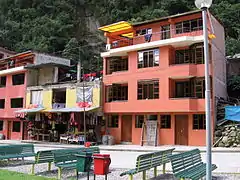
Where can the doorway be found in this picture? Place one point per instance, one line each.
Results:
(9, 129)
(25, 132)
(181, 129)
(126, 128)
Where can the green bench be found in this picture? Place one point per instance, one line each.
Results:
(43, 157)
(148, 161)
(16, 151)
(189, 165)
(67, 159)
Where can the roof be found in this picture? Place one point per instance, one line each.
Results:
(165, 18)
(7, 51)
(19, 55)
(119, 26)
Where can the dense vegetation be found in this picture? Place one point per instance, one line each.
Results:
(59, 26)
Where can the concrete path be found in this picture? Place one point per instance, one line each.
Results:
(124, 156)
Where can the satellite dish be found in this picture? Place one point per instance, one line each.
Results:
(203, 3)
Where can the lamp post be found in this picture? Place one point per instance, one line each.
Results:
(204, 5)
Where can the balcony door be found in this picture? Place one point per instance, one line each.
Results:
(126, 128)
(181, 129)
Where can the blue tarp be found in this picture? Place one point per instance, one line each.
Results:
(232, 113)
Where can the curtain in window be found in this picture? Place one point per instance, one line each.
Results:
(36, 97)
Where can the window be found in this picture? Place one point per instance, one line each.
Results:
(189, 26)
(18, 79)
(16, 126)
(3, 81)
(200, 88)
(139, 121)
(183, 89)
(1, 125)
(2, 103)
(182, 56)
(117, 64)
(144, 31)
(199, 121)
(16, 102)
(165, 121)
(148, 89)
(112, 121)
(152, 117)
(148, 58)
(192, 55)
(117, 92)
(165, 32)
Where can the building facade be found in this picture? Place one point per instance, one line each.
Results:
(154, 73)
(13, 81)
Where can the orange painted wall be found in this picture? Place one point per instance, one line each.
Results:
(167, 136)
(136, 132)
(8, 114)
(163, 72)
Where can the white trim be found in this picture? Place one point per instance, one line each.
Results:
(176, 42)
(12, 70)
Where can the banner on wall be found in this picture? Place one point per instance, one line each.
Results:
(87, 93)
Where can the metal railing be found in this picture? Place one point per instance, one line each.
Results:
(162, 35)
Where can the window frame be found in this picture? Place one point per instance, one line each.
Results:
(116, 92)
(116, 65)
(13, 127)
(147, 62)
(145, 85)
(3, 103)
(15, 99)
(165, 121)
(199, 122)
(1, 125)
(139, 121)
(14, 80)
(113, 123)
(3, 79)
(179, 26)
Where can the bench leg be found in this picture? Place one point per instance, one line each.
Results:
(131, 177)
(164, 168)
(59, 173)
(33, 166)
(144, 175)
(77, 174)
(94, 176)
(49, 166)
(155, 171)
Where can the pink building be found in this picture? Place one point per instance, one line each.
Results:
(12, 94)
(154, 74)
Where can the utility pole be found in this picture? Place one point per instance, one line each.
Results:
(83, 89)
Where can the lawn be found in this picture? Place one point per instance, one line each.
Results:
(10, 175)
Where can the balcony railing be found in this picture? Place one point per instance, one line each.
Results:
(162, 35)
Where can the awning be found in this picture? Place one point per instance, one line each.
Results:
(116, 27)
(73, 109)
(33, 110)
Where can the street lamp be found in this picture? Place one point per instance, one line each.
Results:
(204, 5)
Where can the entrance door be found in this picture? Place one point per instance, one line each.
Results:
(25, 133)
(127, 128)
(9, 130)
(181, 129)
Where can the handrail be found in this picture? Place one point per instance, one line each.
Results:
(161, 35)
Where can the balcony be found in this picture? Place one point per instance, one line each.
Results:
(120, 46)
(116, 65)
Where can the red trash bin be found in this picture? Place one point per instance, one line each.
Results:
(87, 144)
(101, 164)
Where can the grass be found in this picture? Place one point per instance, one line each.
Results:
(10, 175)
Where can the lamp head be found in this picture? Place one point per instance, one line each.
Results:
(203, 3)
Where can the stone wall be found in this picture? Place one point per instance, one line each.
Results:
(228, 136)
